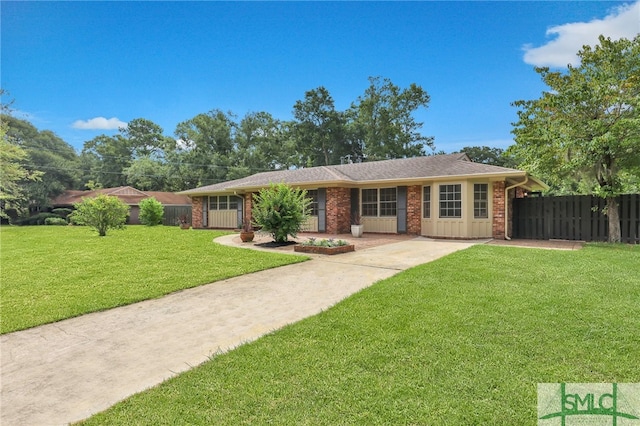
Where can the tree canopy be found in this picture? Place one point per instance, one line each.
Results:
(587, 123)
(216, 146)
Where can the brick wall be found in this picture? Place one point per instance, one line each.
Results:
(248, 205)
(196, 211)
(414, 210)
(498, 210)
(338, 210)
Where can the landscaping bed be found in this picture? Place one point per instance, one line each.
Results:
(324, 250)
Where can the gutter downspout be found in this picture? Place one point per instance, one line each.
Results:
(506, 206)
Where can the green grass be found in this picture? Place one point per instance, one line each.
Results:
(462, 340)
(51, 273)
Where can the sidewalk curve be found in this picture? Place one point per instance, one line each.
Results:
(66, 371)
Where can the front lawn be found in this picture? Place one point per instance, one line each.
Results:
(462, 340)
(50, 273)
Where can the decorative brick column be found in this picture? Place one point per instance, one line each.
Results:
(498, 210)
(248, 205)
(196, 211)
(414, 210)
(338, 210)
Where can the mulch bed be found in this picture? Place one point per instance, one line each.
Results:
(273, 244)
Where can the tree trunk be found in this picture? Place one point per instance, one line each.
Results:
(614, 220)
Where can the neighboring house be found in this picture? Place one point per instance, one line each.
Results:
(129, 196)
(437, 196)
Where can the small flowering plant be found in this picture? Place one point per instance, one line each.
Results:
(330, 242)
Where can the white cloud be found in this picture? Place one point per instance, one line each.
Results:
(623, 22)
(99, 123)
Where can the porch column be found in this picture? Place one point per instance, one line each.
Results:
(498, 219)
(196, 211)
(338, 210)
(414, 210)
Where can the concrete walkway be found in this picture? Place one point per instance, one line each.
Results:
(67, 371)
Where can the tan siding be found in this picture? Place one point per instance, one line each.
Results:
(378, 224)
(310, 225)
(223, 219)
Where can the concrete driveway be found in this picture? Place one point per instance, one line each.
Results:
(67, 371)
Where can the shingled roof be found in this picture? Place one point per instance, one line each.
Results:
(404, 169)
(127, 194)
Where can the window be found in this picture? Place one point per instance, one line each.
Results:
(313, 207)
(388, 202)
(233, 202)
(450, 201)
(223, 202)
(379, 202)
(426, 202)
(213, 203)
(370, 202)
(480, 200)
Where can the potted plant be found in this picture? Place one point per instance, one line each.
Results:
(183, 221)
(246, 233)
(357, 228)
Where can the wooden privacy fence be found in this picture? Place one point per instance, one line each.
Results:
(172, 213)
(574, 217)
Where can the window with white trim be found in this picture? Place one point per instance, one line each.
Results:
(223, 202)
(451, 201)
(370, 202)
(381, 202)
(426, 202)
(388, 202)
(480, 201)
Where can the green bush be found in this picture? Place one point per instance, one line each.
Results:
(55, 221)
(101, 213)
(281, 210)
(151, 212)
(37, 219)
(62, 212)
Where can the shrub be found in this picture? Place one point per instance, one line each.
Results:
(36, 219)
(281, 210)
(62, 212)
(101, 213)
(55, 221)
(151, 212)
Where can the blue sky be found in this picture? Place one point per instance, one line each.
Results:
(81, 69)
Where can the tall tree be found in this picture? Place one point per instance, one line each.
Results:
(145, 139)
(383, 119)
(319, 129)
(488, 155)
(262, 143)
(205, 148)
(55, 159)
(107, 157)
(13, 175)
(588, 121)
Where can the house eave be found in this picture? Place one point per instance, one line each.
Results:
(241, 190)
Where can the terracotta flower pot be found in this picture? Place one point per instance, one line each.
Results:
(247, 236)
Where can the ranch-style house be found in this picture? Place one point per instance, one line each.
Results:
(441, 196)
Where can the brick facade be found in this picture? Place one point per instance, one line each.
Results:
(498, 210)
(197, 204)
(414, 210)
(248, 205)
(338, 210)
